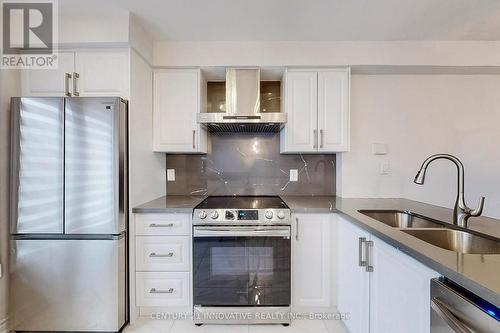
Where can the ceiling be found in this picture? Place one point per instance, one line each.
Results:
(305, 20)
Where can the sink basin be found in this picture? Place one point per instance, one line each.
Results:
(457, 241)
(400, 219)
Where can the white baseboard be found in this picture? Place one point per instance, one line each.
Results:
(4, 325)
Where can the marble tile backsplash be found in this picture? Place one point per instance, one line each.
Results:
(250, 164)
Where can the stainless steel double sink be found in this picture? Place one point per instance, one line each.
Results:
(437, 233)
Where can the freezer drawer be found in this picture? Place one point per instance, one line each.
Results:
(68, 285)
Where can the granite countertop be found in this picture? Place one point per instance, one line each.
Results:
(310, 204)
(170, 204)
(477, 273)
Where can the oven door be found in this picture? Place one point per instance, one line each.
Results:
(241, 266)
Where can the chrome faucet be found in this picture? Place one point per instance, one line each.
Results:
(461, 213)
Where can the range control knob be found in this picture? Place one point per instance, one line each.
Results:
(269, 214)
(202, 215)
(281, 215)
(214, 215)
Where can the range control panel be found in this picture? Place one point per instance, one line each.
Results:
(241, 216)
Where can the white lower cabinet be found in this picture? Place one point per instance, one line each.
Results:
(353, 285)
(162, 261)
(162, 289)
(388, 293)
(311, 260)
(399, 291)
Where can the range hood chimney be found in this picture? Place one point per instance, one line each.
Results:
(242, 106)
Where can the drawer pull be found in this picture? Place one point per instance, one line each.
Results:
(168, 255)
(160, 291)
(155, 225)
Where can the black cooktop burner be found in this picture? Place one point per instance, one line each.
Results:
(243, 202)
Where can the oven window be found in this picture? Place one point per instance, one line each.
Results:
(241, 271)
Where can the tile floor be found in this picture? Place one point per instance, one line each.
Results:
(185, 326)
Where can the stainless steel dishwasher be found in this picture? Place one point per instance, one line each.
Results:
(455, 309)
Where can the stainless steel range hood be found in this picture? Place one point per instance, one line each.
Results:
(243, 106)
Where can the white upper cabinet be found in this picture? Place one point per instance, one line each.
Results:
(311, 265)
(102, 73)
(177, 101)
(49, 82)
(300, 132)
(81, 73)
(317, 104)
(333, 110)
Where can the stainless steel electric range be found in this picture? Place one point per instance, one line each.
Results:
(241, 260)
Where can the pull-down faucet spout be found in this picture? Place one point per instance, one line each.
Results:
(461, 212)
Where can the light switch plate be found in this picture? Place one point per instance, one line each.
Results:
(171, 175)
(1, 270)
(294, 175)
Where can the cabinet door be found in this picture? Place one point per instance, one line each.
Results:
(311, 261)
(176, 103)
(353, 282)
(102, 73)
(301, 96)
(333, 110)
(49, 82)
(399, 291)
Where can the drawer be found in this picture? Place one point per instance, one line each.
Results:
(163, 224)
(162, 289)
(155, 253)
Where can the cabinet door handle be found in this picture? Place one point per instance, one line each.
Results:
(321, 136)
(194, 139)
(296, 228)
(361, 259)
(368, 250)
(67, 77)
(160, 291)
(168, 255)
(155, 225)
(315, 134)
(76, 76)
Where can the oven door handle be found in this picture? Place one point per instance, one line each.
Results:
(241, 232)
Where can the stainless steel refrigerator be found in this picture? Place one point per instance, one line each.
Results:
(68, 267)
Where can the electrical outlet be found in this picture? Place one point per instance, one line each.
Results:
(385, 168)
(170, 175)
(294, 175)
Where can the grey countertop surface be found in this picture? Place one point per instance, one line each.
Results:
(478, 273)
(170, 204)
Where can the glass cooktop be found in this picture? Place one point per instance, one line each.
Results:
(243, 202)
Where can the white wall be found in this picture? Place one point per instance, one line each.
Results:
(418, 115)
(147, 169)
(9, 86)
(80, 28)
(276, 53)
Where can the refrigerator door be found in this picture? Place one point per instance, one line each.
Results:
(68, 285)
(37, 165)
(95, 156)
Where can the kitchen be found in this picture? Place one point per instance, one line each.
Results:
(280, 171)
